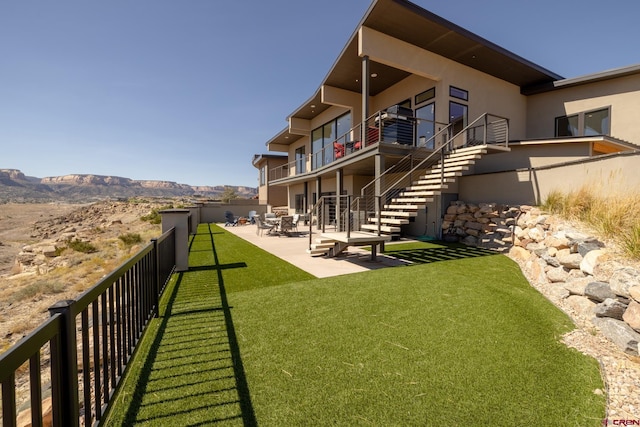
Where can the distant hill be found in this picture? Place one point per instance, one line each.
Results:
(17, 187)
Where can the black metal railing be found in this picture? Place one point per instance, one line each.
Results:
(90, 341)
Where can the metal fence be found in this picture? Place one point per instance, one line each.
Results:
(82, 350)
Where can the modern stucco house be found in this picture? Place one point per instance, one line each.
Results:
(410, 89)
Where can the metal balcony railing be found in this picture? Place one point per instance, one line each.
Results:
(90, 341)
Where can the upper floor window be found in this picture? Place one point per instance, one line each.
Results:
(455, 92)
(263, 175)
(323, 137)
(301, 161)
(589, 123)
(425, 96)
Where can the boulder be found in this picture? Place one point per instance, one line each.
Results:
(551, 260)
(604, 270)
(517, 252)
(558, 274)
(620, 333)
(576, 286)
(599, 291)
(581, 305)
(569, 261)
(610, 308)
(632, 315)
(624, 279)
(585, 247)
(634, 292)
(590, 260)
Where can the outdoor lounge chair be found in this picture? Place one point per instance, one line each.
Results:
(261, 226)
(338, 150)
(232, 221)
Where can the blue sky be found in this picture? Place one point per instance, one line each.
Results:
(189, 90)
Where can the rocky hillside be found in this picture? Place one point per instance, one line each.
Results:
(15, 186)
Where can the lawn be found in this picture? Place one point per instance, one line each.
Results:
(452, 340)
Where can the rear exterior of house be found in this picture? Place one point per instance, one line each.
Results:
(417, 112)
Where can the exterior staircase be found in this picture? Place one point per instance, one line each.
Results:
(423, 190)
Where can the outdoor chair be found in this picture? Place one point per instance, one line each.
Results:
(232, 221)
(296, 219)
(286, 224)
(252, 214)
(261, 226)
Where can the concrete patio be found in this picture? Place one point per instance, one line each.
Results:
(293, 250)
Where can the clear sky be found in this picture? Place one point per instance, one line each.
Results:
(189, 90)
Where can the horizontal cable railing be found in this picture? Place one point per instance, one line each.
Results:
(293, 168)
(88, 341)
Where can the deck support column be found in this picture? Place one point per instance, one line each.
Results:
(365, 97)
(318, 195)
(339, 187)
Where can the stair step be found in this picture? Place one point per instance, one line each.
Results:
(434, 181)
(393, 221)
(400, 213)
(436, 169)
(462, 157)
(413, 200)
(426, 187)
(317, 251)
(384, 228)
(477, 149)
(419, 193)
(452, 164)
(436, 175)
(322, 245)
(404, 207)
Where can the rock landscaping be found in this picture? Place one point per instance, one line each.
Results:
(580, 274)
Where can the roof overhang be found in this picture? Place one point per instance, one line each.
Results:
(582, 80)
(412, 24)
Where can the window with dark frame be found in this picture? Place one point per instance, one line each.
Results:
(586, 123)
(425, 96)
(458, 93)
(323, 137)
(300, 159)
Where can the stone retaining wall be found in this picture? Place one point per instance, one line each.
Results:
(580, 273)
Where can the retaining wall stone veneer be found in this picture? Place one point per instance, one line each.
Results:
(577, 270)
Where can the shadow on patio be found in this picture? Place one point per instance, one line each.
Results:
(193, 373)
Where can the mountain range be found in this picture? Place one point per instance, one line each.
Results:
(15, 186)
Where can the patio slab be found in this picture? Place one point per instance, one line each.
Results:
(293, 250)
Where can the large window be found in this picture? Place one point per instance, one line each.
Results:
(301, 163)
(458, 116)
(322, 140)
(587, 123)
(299, 204)
(426, 125)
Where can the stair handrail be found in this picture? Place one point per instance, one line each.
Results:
(440, 153)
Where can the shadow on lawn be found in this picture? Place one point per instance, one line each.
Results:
(438, 252)
(193, 373)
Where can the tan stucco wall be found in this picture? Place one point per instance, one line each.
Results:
(532, 155)
(487, 94)
(622, 94)
(611, 175)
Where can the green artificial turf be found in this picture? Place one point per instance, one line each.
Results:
(453, 340)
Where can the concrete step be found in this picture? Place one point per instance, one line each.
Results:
(419, 193)
(436, 169)
(434, 181)
(403, 207)
(383, 228)
(392, 221)
(476, 149)
(412, 200)
(427, 187)
(452, 163)
(399, 213)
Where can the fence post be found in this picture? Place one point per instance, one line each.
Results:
(68, 354)
(178, 219)
(155, 298)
